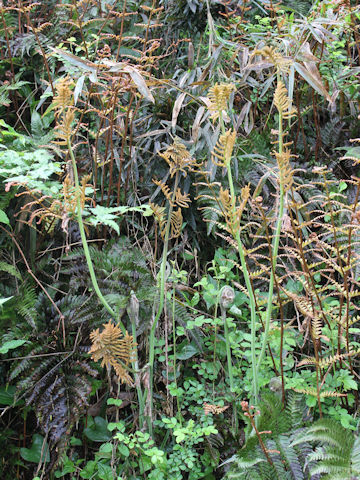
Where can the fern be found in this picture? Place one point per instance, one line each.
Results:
(119, 269)
(281, 427)
(338, 453)
(53, 378)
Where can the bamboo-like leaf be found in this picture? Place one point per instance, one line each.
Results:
(140, 82)
(177, 107)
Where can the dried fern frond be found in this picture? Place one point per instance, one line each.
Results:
(63, 130)
(165, 190)
(64, 95)
(285, 170)
(159, 214)
(313, 392)
(281, 63)
(176, 223)
(214, 409)
(178, 158)
(218, 97)
(182, 199)
(110, 346)
(223, 149)
(282, 102)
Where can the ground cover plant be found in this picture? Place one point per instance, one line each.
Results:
(180, 240)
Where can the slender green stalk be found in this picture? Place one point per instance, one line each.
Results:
(179, 416)
(85, 244)
(161, 301)
(229, 363)
(133, 312)
(275, 249)
(228, 349)
(248, 284)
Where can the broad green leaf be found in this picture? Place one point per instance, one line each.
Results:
(76, 61)
(105, 472)
(7, 394)
(98, 432)
(114, 401)
(186, 352)
(33, 454)
(10, 345)
(4, 218)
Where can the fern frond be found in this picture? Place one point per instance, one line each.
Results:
(110, 346)
(223, 149)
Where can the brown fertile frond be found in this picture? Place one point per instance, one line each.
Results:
(63, 130)
(224, 148)
(182, 199)
(219, 96)
(325, 362)
(230, 211)
(64, 95)
(285, 170)
(282, 102)
(165, 189)
(227, 202)
(244, 197)
(302, 304)
(176, 223)
(316, 327)
(110, 346)
(214, 409)
(178, 158)
(159, 214)
(281, 63)
(313, 392)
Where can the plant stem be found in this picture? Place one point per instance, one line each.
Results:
(161, 301)
(135, 364)
(229, 362)
(85, 244)
(275, 249)
(249, 288)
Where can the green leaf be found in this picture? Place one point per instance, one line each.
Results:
(7, 394)
(186, 352)
(98, 432)
(33, 454)
(123, 450)
(3, 300)
(114, 401)
(10, 345)
(342, 186)
(4, 218)
(107, 215)
(105, 472)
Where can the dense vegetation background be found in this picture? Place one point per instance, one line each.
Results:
(180, 239)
